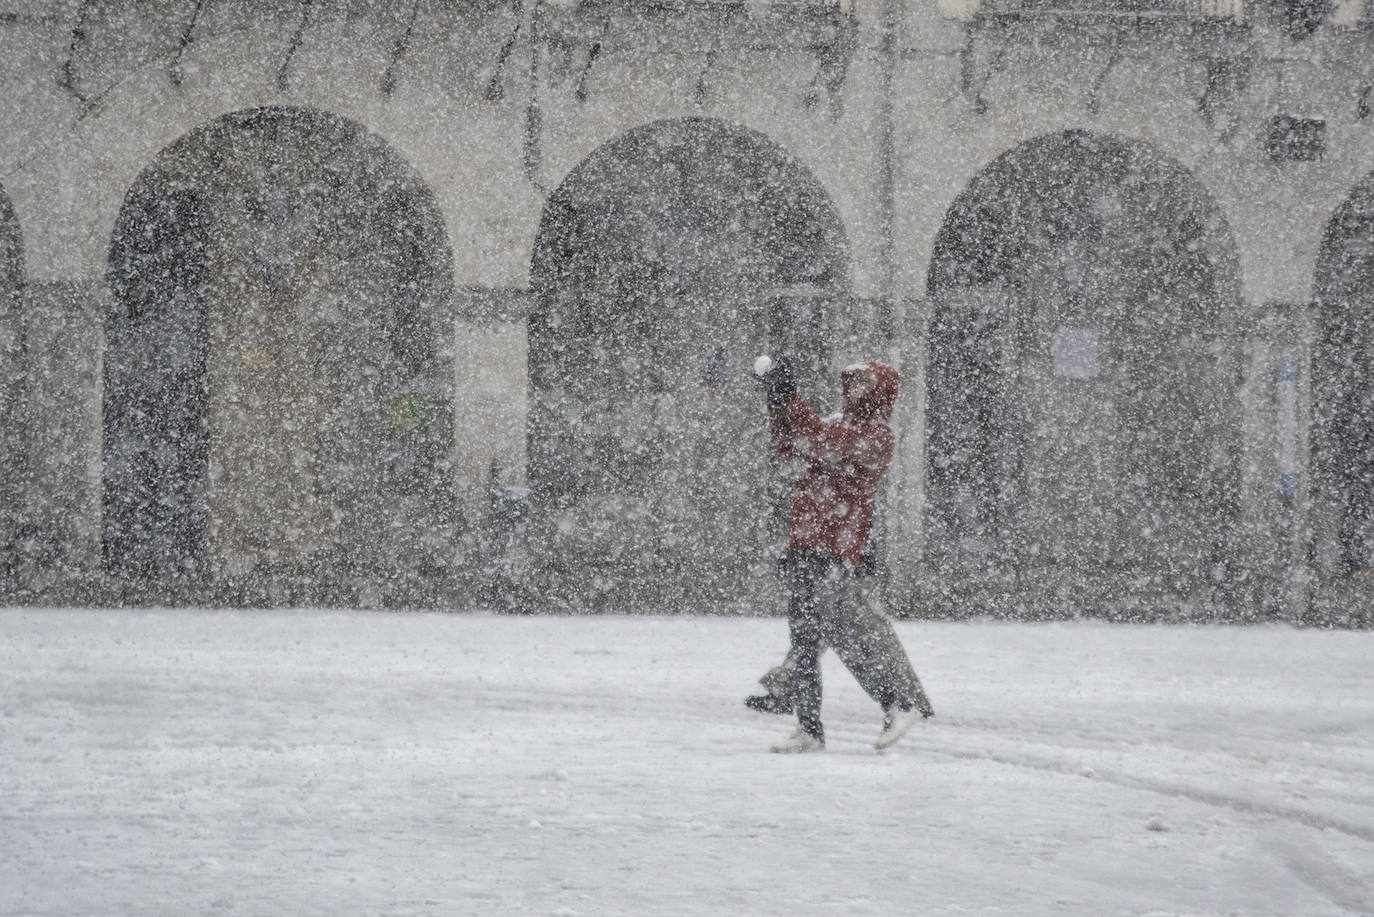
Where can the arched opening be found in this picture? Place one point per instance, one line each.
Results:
(1343, 383)
(663, 263)
(277, 404)
(1081, 383)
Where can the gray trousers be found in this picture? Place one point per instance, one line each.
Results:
(823, 609)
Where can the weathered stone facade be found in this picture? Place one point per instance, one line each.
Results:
(1122, 251)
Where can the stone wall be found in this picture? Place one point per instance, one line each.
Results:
(893, 108)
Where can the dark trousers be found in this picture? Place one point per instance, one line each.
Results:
(821, 611)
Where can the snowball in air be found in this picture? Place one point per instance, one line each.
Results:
(762, 365)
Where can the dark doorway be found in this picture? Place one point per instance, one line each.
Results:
(663, 264)
(1343, 380)
(279, 404)
(156, 438)
(11, 246)
(14, 527)
(1082, 419)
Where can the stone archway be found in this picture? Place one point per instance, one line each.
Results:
(1343, 384)
(1081, 408)
(663, 263)
(277, 406)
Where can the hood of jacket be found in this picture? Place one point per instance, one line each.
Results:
(870, 391)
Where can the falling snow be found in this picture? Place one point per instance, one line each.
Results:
(388, 520)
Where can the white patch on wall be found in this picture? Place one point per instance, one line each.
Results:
(489, 405)
(1348, 14)
(1223, 9)
(959, 10)
(1076, 352)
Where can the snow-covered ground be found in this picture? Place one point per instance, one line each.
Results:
(206, 762)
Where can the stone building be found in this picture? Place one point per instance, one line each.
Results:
(292, 290)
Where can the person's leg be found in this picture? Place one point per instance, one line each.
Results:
(846, 628)
(878, 661)
(872, 667)
(805, 626)
(780, 684)
(779, 679)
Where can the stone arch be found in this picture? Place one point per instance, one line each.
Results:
(1343, 379)
(662, 264)
(1082, 418)
(278, 406)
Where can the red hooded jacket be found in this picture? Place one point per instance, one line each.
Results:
(832, 500)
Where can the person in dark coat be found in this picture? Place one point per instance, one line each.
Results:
(832, 505)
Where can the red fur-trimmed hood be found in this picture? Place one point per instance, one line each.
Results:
(870, 391)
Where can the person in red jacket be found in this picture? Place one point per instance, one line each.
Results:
(832, 505)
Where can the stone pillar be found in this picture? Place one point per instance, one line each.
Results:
(52, 440)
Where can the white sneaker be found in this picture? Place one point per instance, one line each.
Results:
(799, 742)
(895, 725)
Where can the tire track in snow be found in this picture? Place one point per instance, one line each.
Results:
(1324, 876)
(1215, 798)
(1102, 739)
(608, 702)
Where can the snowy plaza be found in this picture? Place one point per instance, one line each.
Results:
(311, 762)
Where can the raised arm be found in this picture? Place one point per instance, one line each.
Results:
(797, 431)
